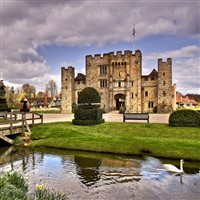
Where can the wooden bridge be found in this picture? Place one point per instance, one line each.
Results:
(12, 123)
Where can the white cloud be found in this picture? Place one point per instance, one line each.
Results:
(185, 66)
(27, 25)
(184, 52)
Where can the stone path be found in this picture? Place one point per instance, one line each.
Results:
(109, 117)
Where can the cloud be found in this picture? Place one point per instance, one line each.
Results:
(185, 66)
(184, 52)
(27, 25)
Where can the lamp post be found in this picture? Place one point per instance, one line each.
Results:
(24, 107)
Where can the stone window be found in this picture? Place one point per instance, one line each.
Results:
(163, 73)
(146, 93)
(164, 83)
(103, 69)
(121, 84)
(103, 83)
(132, 94)
(132, 82)
(150, 104)
(164, 94)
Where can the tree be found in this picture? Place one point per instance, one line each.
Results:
(14, 97)
(29, 90)
(40, 94)
(51, 88)
(10, 97)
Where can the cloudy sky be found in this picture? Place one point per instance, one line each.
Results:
(38, 37)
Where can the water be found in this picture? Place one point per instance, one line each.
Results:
(90, 176)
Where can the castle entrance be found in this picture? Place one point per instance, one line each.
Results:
(120, 100)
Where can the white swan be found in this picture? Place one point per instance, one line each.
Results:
(172, 168)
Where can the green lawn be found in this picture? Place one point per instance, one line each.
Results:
(123, 138)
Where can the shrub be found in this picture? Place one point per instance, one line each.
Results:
(121, 110)
(88, 114)
(184, 118)
(155, 110)
(88, 96)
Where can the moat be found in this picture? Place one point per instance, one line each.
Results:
(83, 175)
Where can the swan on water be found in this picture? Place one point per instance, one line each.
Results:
(172, 168)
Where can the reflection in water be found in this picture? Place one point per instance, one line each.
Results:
(88, 170)
(100, 176)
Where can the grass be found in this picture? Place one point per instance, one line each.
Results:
(122, 138)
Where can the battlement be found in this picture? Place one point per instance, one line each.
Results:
(169, 61)
(118, 54)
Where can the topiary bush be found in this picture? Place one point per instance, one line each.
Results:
(88, 111)
(184, 118)
(89, 96)
(88, 114)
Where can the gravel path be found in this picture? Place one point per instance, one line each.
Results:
(109, 117)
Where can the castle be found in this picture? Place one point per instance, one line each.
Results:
(120, 83)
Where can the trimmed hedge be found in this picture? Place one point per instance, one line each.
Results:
(88, 112)
(184, 118)
(89, 95)
(88, 116)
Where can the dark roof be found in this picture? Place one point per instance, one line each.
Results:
(153, 74)
(80, 77)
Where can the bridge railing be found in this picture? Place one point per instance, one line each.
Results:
(10, 120)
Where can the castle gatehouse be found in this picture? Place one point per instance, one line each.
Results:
(118, 79)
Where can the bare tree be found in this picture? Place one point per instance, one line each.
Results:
(51, 88)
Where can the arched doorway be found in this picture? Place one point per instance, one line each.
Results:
(120, 100)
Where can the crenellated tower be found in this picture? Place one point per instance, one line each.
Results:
(67, 89)
(165, 88)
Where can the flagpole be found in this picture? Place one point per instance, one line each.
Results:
(134, 46)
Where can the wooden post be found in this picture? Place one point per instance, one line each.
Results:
(32, 119)
(41, 116)
(11, 124)
(22, 122)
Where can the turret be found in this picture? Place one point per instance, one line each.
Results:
(67, 89)
(165, 86)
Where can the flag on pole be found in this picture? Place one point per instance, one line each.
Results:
(134, 30)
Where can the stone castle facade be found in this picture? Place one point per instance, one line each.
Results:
(119, 81)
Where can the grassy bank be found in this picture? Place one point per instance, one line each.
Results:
(124, 138)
